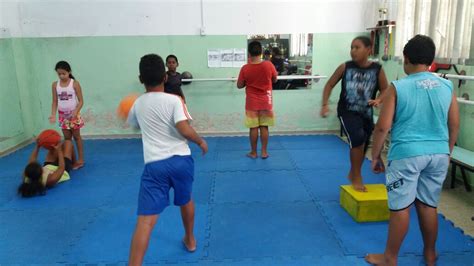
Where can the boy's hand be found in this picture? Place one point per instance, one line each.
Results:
(324, 111)
(203, 146)
(375, 103)
(52, 119)
(377, 165)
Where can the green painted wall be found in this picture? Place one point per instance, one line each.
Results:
(329, 51)
(107, 68)
(12, 131)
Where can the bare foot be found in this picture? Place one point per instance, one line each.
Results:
(252, 155)
(359, 187)
(77, 165)
(375, 259)
(357, 184)
(190, 244)
(430, 257)
(265, 155)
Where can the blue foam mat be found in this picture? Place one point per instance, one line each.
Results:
(243, 144)
(280, 211)
(311, 142)
(8, 190)
(325, 184)
(259, 186)
(266, 230)
(114, 228)
(238, 161)
(362, 238)
(321, 159)
(205, 163)
(36, 236)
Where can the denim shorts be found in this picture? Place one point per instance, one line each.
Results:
(416, 178)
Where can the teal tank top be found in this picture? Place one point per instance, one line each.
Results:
(420, 124)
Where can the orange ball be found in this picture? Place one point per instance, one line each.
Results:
(49, 138)
(125, 105)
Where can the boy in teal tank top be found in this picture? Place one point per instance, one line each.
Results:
(422, 113)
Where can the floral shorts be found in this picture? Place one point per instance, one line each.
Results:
(66, 121)
(259, 118)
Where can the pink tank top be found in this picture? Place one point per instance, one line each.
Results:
(67, 99)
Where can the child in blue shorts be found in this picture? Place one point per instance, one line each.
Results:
(422, 113)
(164, 122)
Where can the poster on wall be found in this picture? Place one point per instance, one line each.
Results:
(240, 57)
(236, 57)
(227, 57)
(213, 58)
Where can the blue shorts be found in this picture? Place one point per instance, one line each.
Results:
(159, 177)
(416, 178)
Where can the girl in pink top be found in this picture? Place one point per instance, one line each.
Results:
(68, 101)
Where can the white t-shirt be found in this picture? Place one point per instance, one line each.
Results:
(156, 114)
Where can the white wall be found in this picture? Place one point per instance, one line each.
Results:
(9, 19)
(61, 18)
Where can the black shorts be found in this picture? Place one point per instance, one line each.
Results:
(67, 164)
(357, 128)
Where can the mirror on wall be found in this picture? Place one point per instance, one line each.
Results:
(291, 54)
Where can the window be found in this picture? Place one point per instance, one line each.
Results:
(447, 22)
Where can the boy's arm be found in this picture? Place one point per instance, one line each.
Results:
(185, 129)
(54, 105)
(240, 84)
(383, 85)
(181, 119)
(333, 80)
(453, 122)
(384, 124)
(241, 79)
(132, 118)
